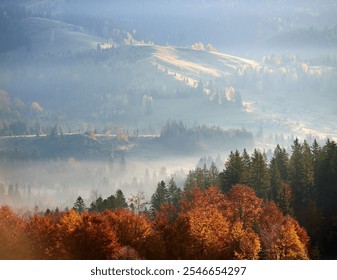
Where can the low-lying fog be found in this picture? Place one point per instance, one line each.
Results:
(57, 183)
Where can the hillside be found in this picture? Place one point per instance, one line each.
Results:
(73, 76)
(53, 36)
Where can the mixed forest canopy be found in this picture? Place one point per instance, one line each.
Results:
(283, 208)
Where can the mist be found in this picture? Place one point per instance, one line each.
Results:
(97, 96)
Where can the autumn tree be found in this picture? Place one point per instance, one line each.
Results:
(207, 233)
(165, 223)
(89, 236)
(135, 231)
(244, 243)
(14, 243)
(282, 238)
(245, 205)
(45, 237)
(202, 225)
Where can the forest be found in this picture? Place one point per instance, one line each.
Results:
(255, 208)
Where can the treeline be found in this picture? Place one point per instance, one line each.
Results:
(302, 184)
(288, 212)
(206, 225)
(177, 136)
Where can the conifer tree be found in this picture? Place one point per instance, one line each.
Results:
(173, 193)
(79, 205)
(246, 167)
(120, 201)
(159, 197)
(309, 176)
(233, 172)
(213, 175)
(260, 175)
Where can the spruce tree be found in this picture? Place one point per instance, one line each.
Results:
(79, 205)
(120, 201)
(233, 172)
(159, 197)
(173, 193)
(260, 175)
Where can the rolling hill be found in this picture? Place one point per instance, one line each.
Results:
(80, 79)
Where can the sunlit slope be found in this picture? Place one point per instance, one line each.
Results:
(197, 64)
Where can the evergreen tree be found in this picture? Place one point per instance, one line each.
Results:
(278, 171)
(296, 172)
(260, 175)
(233, 172)
(159, 197)
(281, 159)
(173, 193)
(301, 171)
(246, 167)
(309, 176)
(284, 199)
(213, 175)
(120, 201)
(327, 197)
(110, 202)
(79, 205)
(198, 178)
(97, 205)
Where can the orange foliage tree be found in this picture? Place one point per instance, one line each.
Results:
(165, 223)
(44, 235)
(202, 226)
(245, 205)
(89, 236)
(244, 243)
(136, 232)
(207, 231)
(206, 225)
(13, 241)
(282, 237)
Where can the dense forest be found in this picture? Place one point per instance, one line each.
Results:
(282, 208)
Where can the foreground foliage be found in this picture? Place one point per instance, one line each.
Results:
(207, 225)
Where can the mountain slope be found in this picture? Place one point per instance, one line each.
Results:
(139, 85)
